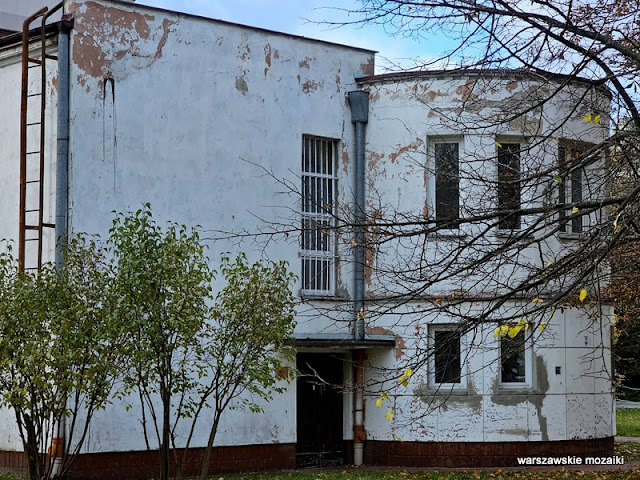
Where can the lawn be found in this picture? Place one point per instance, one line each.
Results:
(630, 451)
(628, 422)
(355, 474)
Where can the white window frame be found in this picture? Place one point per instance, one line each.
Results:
(432, 174)
(433, 329)
(318, 238)
(578, 225)
(521, 146)
(528, 362)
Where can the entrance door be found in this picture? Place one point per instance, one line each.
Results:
(319, 407)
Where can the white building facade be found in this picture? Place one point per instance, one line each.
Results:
(209, 122)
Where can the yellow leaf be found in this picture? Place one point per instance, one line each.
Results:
(504, 329)
(549, 263)
(583, 295)
(596, 119)
(496, 333)
(542, 327)
(587, 117)
(408, 372)
(404, 381)
(537, 300)
(526, 327)
(498, 145)
(615, 222)
(378, 403)
(614, 159)
(389, 415)
(575, 210)
(513, 331)
(557, 178)
(384, 395)
(353, 242)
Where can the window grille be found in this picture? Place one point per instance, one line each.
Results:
(318, 204)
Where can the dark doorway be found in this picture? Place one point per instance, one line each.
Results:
(319, 407)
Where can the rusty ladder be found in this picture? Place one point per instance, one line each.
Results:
(32, 144)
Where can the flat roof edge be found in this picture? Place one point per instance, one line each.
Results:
(341, 341)
(235, 24)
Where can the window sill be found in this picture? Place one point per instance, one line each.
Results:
(458, 390)
(322, 297)
(570, 236)
(447, 234)
(511, 388)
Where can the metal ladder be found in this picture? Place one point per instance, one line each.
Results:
(32, 145)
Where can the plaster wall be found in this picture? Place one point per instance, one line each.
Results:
(570, 394)
(408, 115)
(204, 120)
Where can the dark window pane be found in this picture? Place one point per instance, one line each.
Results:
(512, 359)
(447, 356)
(509, 184)
(447, 157)
(562, 189)
(576, 196)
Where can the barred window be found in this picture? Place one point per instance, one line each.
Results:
(318, 204)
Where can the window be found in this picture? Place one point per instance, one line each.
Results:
(318, 202)
(515, 360)
(570, 189)
(509, 185)
(445, 365)
(447, 180)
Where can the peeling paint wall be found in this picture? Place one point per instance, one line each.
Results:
(571, 396)
(406, 116)
(185, 113)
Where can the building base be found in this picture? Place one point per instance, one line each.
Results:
(142, 464)
(478, 454)
(256, 458)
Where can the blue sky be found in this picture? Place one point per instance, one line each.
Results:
(301, 17)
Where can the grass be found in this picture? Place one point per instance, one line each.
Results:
(629, 450)
(628, 422)
(354, 474)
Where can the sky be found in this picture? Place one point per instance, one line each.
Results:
(304, 17)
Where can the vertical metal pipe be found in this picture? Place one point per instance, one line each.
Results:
(62, 144)
(359, 434)
(62, 166)
(359, 102)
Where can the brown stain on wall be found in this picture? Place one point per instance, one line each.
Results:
(417, 143)
(432, 94)
(304, 63)
(466, 91)
(511, 86)
(126, 28)
(400, 345)
(311, 86)
(368, 68)
(105, 35)
(345, 160)
(267, 58)
(374, 158)
(166, 23)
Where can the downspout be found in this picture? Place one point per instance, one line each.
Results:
(359, 102)
(62, 166)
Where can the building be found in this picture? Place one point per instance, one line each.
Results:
(148, 105)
